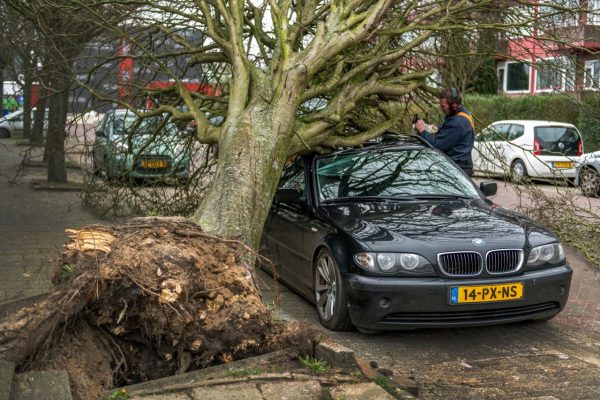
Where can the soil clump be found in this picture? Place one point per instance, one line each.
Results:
(150, 298)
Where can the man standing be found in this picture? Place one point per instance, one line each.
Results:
(456, 136)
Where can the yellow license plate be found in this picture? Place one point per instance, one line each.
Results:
(153, 164)
(486, 293)
(563, 164)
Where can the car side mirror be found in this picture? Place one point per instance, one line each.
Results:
(488, 188)
(288, 196)
(100, 134)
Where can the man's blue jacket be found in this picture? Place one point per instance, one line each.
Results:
(455, 137)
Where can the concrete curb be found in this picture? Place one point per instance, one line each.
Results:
(342, 357)
(41, 385)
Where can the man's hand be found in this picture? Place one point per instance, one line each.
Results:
(420, 126)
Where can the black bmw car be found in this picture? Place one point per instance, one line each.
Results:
(394, 235)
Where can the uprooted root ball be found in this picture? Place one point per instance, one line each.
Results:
(163, 296)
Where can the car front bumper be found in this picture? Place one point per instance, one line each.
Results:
(407, 303)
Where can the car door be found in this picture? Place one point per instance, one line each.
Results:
(489, 149)
(16, 124)
(287, 227)
(514, 146)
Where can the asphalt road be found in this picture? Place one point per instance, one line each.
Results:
(559, 359)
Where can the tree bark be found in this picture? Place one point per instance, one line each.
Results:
(27, 85)
(54, 151)
(252, 152)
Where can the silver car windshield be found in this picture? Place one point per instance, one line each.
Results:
(129, 123)
(391, 174)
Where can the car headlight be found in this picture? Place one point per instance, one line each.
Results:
(121, 147)
(547, 254)
(393, 262)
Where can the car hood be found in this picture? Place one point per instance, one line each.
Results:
(467, 224)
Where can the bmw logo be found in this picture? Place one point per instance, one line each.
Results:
(478, 242)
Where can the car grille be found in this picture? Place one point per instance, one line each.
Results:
(457, 317)
(460, 264)
(504, 261)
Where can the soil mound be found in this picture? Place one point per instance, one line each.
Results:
(146, 299)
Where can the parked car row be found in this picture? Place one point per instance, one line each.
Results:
(520, 149)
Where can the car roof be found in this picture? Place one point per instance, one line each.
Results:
(532, 122)
(388, 140)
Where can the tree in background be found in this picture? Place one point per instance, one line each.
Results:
(64, 27)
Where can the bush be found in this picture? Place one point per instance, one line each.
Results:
(588, 123)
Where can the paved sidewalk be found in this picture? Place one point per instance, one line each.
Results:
(32, 223)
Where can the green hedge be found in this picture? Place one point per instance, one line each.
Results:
(584, 113)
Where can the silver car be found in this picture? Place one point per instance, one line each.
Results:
(12, 124)
(588, 174)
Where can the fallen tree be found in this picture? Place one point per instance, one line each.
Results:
(150, 298)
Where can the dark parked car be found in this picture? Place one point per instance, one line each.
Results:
(394, 236)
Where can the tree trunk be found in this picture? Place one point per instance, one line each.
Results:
(54, 152)
(2, 66)
(27, 84)
(37, 135)
(252, 152)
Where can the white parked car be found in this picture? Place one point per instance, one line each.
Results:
(527, 148)
(12, 124)
(588, 174)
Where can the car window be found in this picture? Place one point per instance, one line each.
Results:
(495, 133)
(501, 131)
(557, 140)
(551, 134)
(391, 173)
(293, 176)
(516, 131)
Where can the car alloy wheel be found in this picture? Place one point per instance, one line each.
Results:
(330, 294)
(4, 133)
(590, 182)
(518, 172)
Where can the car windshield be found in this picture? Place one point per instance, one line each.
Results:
(127, 123)
(391, 174)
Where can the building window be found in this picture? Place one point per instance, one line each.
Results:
(592, 74)
(554, 74)
(556, 13)
(594, 12)
(517, 77)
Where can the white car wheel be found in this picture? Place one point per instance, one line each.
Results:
(518, 172)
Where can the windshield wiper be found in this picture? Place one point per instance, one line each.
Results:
(442, 197)
(380, 199)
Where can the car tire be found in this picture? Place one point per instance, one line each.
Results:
(589, 182)
(330, 293)
(4, 133)
(518, 172)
